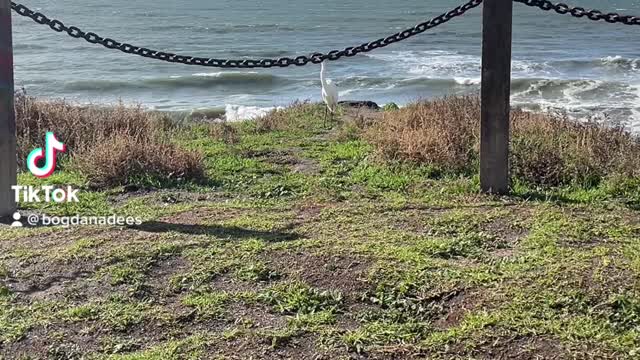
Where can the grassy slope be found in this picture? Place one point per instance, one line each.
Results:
(301, 245)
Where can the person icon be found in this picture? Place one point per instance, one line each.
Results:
(17, 222)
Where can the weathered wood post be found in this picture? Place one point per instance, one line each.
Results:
(8, 164)
(496, 87)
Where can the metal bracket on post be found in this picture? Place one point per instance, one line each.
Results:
(496, 86)
(8, 163)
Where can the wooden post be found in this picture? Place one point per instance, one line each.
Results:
(8, 163)
(496, 87)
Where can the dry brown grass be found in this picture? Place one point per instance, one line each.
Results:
(440, 132)
(110, 145)
(554, 150)
(79, 127)
(122, 159)
(546, 149)
(224, 132)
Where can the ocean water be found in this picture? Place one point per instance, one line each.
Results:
(585, 68)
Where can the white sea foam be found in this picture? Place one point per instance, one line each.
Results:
(634, 119)
(621, 62)
(570, 95)
(435, 63)
(584, 99)
(467, 81)
(224, 73)
(575, 91)
(235, 113)
(463, 68)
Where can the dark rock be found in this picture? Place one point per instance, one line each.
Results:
(360, 104)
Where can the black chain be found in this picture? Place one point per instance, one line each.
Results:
(595, 15)
(317, 57)
(302, 60)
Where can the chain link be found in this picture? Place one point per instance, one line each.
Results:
(301, 60)
(595, 15)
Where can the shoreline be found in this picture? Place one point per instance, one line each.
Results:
(251, 112)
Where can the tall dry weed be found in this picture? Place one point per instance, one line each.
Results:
(546, 149)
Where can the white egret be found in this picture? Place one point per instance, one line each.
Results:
(329, 93)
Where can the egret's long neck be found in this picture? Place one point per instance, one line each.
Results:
(323, 78)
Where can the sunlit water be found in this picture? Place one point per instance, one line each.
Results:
(583, 67)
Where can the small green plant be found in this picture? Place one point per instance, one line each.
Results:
(208, 305)
(384, 333)
(232, 334)
(313, 320)
(296, 297)
(82, 249)
(390, 107)
(625, 311)
(257, 273)
(463, 245)
(278, 338)
(81, 313)
(129, 272)
(64, 351)
(121, 314)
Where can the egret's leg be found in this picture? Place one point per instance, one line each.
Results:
(324, 122)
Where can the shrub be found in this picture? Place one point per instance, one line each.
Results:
(390, 107)
(79, 127)
(441, 133)
(546, 149)
(124, 159)
(555, 150)
(224, 132)
(117, 145)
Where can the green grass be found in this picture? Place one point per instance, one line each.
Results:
(190, 349)
(298, 298)
(302, 243)
(208, 304)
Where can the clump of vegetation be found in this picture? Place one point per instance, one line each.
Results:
(296, 297)
(442, 133)
(546, 149)
(122, 160)
(257, 272)
(79, 127)
(118, 145)
(224, 132)
(208, 304)
(299, 115)
(390, 106)
(554, 150)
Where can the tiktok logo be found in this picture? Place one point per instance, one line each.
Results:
(45, 193)
(52, 147)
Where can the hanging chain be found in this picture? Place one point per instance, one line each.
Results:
(317, 57)
(595, 15)
(302, 60)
